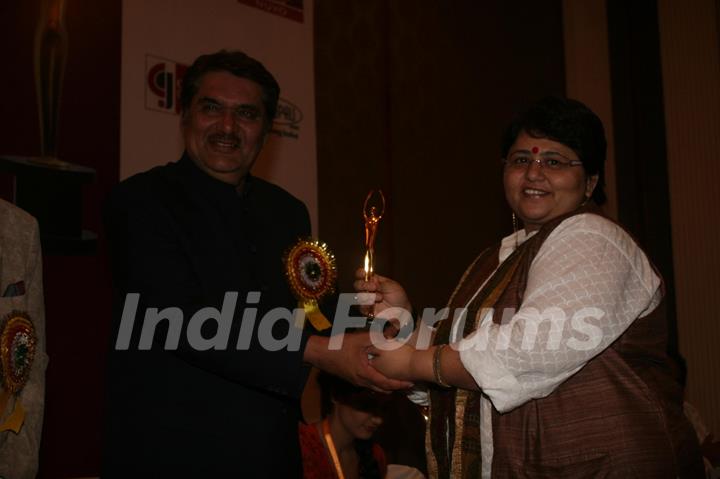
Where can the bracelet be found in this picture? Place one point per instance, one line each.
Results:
(436, 366)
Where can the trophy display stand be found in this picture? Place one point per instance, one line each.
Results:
(51, 191)
(44, 186)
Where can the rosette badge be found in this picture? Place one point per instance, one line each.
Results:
(17, 351)
(311, 272)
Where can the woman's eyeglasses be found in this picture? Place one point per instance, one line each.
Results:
(554, 162)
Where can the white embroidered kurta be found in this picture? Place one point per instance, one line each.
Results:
(587, 284)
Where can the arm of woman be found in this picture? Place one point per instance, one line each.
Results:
(398, 358)
(411, 359)
(587, 284)
(431, 365)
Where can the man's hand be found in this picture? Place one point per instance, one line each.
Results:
(350, 362)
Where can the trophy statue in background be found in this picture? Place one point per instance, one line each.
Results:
(50, 57)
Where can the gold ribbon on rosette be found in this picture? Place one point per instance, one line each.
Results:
(17, 351)
(311, 272)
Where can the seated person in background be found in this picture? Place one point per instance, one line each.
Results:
(340, 445)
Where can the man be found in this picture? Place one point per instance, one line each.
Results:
(23, 360)
(203, 233)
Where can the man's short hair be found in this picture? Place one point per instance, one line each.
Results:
(239, 64)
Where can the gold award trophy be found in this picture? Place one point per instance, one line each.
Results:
(373, 211)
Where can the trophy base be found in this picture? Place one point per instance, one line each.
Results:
(50, 162)
(51, 190)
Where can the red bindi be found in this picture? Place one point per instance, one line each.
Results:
(535, 149)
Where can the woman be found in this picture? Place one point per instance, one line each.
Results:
(340, 446)
(559, 368)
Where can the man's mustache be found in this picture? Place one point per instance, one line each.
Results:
(225, 138)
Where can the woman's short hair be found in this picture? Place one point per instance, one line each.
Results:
(571, 123)
(239, 64)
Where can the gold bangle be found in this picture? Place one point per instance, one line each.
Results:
(436, 366)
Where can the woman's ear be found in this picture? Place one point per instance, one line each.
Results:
(590, 185)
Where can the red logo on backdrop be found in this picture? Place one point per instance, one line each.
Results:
(162, 84)
(292, 9)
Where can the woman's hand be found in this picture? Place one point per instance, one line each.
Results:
(398, 360)
(395, 363)
(383, 293)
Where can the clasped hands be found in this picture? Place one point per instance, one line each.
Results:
(374, 359)
(386, 300)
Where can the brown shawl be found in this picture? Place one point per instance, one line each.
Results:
(619, 416)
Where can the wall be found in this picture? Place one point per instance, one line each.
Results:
(690, 41)
(665, 69)
(587, 73)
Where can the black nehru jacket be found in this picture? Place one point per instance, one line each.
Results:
(183, 239)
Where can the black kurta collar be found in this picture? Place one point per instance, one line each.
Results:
(212, 187)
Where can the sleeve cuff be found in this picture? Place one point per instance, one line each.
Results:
(499, 384)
